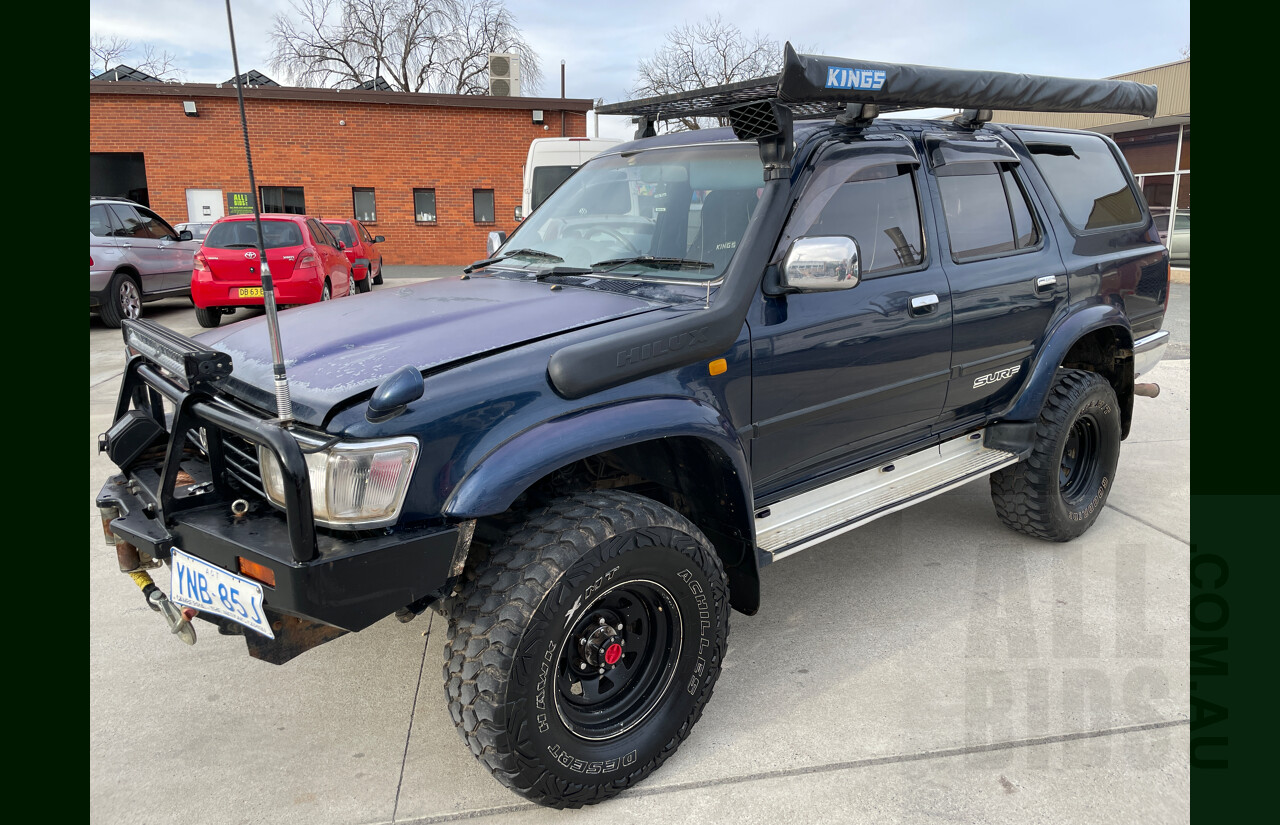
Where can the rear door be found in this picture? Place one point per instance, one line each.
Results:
(839, 376)
(232, 250)
(1007, 279)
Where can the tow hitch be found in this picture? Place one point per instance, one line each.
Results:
(179, 618)
(136, 564)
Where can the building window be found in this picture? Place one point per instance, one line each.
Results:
(482, 205)
(363, 202)
(424, 205)
(286, 199)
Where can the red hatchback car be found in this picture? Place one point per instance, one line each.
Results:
(366, 259)
(308, 264)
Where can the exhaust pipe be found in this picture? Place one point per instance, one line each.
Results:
(1146, 390)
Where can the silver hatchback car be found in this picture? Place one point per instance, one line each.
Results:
(134, 256)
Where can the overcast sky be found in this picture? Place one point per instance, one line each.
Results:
(601, 41)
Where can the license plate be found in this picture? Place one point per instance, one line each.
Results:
(211, 589)
(250, 292)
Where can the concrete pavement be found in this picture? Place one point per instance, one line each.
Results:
(930, 665)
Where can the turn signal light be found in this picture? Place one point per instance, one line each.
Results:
(257, 571)
(717, 366)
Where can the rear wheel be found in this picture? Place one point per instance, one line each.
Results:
(208, 317)
(326, 293)
(584, 650)
(1058, 491)
(123, 299)
(364, 284)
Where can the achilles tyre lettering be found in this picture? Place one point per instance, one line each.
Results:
(585, 650)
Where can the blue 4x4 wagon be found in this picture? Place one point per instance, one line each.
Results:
(584, 452)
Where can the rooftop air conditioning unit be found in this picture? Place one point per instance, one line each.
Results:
(504, 75)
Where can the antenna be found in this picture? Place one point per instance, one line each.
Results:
(284, 405)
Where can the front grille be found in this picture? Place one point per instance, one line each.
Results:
(240, 464)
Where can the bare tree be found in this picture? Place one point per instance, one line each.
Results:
(708, 53)
(106, 53)
(415, 45)
(483, 27)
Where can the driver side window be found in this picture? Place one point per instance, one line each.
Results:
(877, 207)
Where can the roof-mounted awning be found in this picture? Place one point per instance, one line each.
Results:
(817, 86)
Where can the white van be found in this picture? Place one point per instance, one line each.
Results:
(551, 161)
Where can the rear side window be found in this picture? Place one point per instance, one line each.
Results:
(987, 211)
(1085, 178)
(244, 235)
(877, 207)
(99, 221)
(322, 234)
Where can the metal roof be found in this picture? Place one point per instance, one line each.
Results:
(253, 77)
(126, 73)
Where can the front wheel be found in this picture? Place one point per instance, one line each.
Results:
(584, 650)
(1058, 491)
(377, 279)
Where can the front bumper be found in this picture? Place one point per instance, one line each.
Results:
(351, 583)
(1148, 350)
(189, 482)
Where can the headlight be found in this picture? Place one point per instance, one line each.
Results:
(354, 485)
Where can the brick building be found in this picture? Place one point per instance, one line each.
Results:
(432, 173)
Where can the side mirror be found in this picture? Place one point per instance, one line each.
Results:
(378, 239)
(185, 235)
(821, 264)
(341, 245)
(496, 240)
(519, 213)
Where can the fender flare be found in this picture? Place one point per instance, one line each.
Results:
(1058, 342)
(496, 480)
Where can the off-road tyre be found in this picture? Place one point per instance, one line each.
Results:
(208, 317)
(515, 646)
(1058, 491)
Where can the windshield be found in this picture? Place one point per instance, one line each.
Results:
(687, 206)
(344, 233)
(545, 181)
(244, 235)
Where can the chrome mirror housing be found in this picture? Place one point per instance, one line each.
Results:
(821, 264)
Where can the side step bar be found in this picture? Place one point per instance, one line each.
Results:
(802, 521)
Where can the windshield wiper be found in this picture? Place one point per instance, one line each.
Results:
(651, 262)
(536, 254)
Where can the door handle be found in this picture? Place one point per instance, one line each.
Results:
(126, 244)
(1046, 283)
(923, 304)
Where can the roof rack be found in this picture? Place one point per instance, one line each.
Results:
(813, 86)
